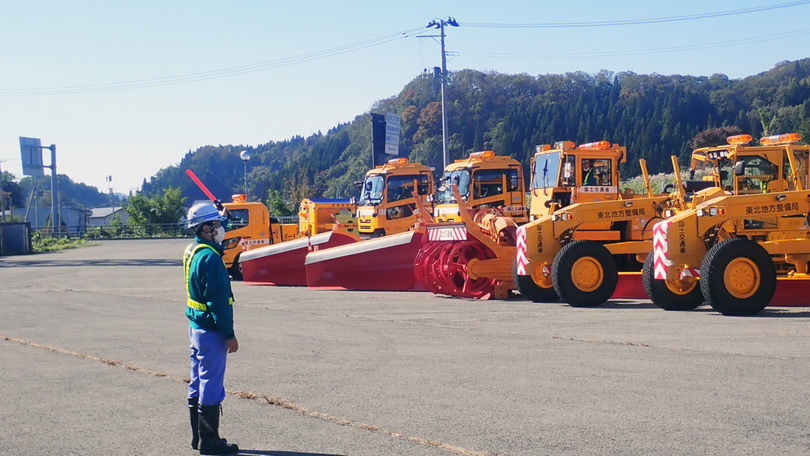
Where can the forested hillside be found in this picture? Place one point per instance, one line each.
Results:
(654, 116)
(73, 194)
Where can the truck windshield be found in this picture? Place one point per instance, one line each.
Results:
(546, 170)
(460, 177)
(372, 192)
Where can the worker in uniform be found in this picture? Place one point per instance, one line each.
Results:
(588, 173)
(210, 315)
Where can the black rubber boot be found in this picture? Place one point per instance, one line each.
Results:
(210, 441)
(194, 417)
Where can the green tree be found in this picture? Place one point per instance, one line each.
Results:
(156, 209)
(278, 207)
(11, 191)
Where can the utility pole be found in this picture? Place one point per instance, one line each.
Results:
(2, 195)
(56, 210)
(112, 202)
(440, 25)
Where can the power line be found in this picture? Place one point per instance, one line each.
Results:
(663, 50)
(655, 20)
(213, 74)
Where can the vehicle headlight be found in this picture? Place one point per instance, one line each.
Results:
(231, 243)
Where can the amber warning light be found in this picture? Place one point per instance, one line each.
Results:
(739, 139)
(598, 145)
(788, 138)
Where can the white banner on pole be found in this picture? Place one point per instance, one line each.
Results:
(392, 134)
(31, 152)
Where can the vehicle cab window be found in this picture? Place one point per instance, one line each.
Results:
(546, 170)
(239, 218)
(487, 183)
(400, 188)
(753, 173)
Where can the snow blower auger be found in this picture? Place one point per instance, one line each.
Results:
(471, 259)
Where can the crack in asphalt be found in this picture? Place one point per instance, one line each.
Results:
(262, 399)
(449, 325)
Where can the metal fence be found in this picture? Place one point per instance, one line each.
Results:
(129, 230)
(118, 231)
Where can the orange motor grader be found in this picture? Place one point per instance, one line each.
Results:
(746, 247)
(578, 252)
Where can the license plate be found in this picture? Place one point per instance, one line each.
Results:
(448, 233)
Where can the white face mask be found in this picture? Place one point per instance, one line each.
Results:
(219, 236)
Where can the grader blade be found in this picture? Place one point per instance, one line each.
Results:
(629, 286)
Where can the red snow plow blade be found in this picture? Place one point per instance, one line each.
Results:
(382, 264)
(790, 292)
(283, 263)
(629, 286)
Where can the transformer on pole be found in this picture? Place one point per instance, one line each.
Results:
(440, 24)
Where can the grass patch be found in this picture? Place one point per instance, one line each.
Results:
(42, 244)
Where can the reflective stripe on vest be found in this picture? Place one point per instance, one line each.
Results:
(191, 250)
(587, 176)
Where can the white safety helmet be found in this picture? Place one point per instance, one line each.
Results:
(201, 213)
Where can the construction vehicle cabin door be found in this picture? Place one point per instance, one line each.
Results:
(488, 187)
(400, 191)
(754, 174)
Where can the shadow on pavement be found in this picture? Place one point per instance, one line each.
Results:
(283, 453)
(90, 262)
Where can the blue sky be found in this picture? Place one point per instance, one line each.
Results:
(295, 68)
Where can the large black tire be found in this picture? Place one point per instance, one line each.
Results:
(666, 297)
(530, 290)
(236, 268)
(584, 274)
(738, 277)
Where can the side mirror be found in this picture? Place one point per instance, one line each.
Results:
(738, 168)
(691, 174)
(567, 170)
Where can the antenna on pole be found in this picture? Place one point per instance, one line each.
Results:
(440, 24)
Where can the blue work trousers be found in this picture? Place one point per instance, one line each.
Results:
(208, 356)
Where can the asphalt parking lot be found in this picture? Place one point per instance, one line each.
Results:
(94, 359)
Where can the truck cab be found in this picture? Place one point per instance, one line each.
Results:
(565, 174)
(251, 226)
(388, 197)
(484, 180)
